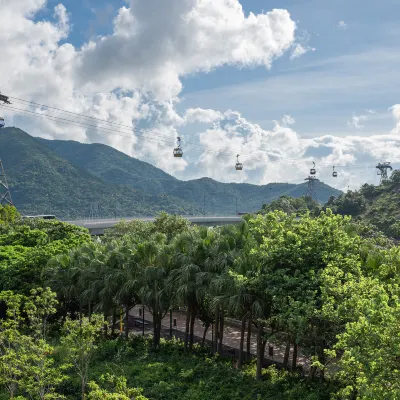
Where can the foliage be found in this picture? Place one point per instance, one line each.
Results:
(27, 245)
(116, 389)
(376, 205)
(79, 343)
(290, 205)
(65, 177)
(42, 182)
(26, 361)
(8, 214)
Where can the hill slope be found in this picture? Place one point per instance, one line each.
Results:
(43, 182)
(377, 205)
(112, 165)
(218, 198)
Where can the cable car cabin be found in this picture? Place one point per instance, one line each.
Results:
(239, 165)
(178, 151)
(312, 170)
(334, 173)
(2, 122)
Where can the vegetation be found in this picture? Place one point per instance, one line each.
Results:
(375, 205)
(323, 287)
(115, 167)
(291, 205)
(43, 183)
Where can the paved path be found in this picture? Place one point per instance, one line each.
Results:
(231, 335)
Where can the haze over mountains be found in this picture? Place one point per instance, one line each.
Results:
(69, 179)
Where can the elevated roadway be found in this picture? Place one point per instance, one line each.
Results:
(98, 226)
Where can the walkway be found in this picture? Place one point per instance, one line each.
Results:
(231, 335)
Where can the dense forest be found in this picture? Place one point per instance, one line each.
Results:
(323, 286)
(75, 181)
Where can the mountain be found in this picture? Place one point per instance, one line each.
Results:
(113, 166)
(42, 182)
(376, 205)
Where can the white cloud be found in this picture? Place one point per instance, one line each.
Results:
(132, 76)
(288, 120)
(300, 50)
(203, 116)
(342, 25)
(356, 121)
(157, 42)
(396, 114)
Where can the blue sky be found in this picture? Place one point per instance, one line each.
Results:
(352, 70)
(337, 94)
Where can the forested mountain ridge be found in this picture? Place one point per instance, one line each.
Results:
(113, 166)
(41, 182)
(377, 205)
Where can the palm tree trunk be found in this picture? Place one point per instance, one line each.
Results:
(187, 329)
(294, 361)
(249, 337)
(215, 344)
(286, 357)
(155, 329)
(260, 349)
(240, 360)
(114, 322)
(105, 325)
(205, 334)
(221, 333)
(126, 321)
(192, 321)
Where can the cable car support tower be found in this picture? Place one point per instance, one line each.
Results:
(312, 180)
(5, 194)
(383, 171)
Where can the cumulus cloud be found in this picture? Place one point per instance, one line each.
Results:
(342, 25)
(157, 42)
(203, 116)
(299, 50)
(356, 121)
(396, 114)
(131, 77)
(288, 120)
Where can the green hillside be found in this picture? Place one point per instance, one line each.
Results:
(219, 198)
(112, 165)
(377, 205)
(43, 182)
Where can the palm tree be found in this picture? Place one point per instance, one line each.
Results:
(182, 280)
(154, 260)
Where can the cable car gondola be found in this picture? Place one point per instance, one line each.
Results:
(312, 170)
(239, 165)
(334, 173)
(2, 122)
(178, 151)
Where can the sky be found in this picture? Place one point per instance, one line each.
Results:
(281, 83)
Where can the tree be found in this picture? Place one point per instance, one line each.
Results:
(25, 356)
(154, 259)
(79, 342)
(116, 389)
(170, 225)
(12, 355)
(8, 214)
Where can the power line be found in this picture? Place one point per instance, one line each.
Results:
(132, 130)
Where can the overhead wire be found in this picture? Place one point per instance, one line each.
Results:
(136, 131)
(163, 139)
